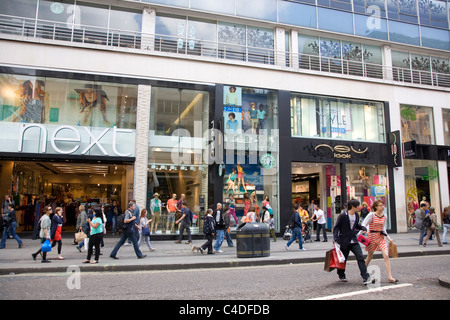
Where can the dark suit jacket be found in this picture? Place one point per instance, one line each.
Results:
(342, 233)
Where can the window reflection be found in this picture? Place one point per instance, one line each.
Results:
(417, 124)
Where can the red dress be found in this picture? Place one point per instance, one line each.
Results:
(377, 240)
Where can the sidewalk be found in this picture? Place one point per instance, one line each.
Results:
(171, 256)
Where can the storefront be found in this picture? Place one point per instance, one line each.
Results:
(337, 149)
(65, 141)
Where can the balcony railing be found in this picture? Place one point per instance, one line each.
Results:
(42, 29)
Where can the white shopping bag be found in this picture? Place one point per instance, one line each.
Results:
(339, 253)
(86, 244)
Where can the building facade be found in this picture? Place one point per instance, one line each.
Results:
(226, 101)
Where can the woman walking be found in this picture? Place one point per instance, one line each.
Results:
(97, 226)
(375, 222)
(56, 229)
(434, 228)
(145, 231)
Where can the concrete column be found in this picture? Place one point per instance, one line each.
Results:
(294, 49)
(387, 62)
(148, 29)
(142, 128)
(280, 47)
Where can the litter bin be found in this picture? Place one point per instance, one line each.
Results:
(252, 240)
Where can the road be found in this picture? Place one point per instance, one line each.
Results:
(418, 281)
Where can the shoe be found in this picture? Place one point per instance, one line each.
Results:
(343, 279)
(21, 245)
(201, 250)
(79, 249)
(45, 261)
(86, 261)
(152, 249)
(94, 262)
(303, 249)
(369, 280)
(34, 256)
(114, 257)
(210, 252)
(325, 241)
(188, 242)
(393, 280)
(218, 251)
(286, 247)
(142, 257)
(178, 241)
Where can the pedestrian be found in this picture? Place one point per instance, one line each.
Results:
(56, 230)
(97, 227)
(271, 224)
(434, 228)
(10, 226)
(420, 216)
(364, 211)
(297, 230)
(376, 223)
(222, 220)
(114, 211)
(86, 228)
(128, 232)
(251, 214)
(81, 220)
(5, 204)
(145, 229)
(45, 225)
(185, 223)
(344, 233)
(209, 229)
(445, 223)
(319, 216)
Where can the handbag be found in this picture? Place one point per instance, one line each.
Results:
(363, 239)
(80, 236)
(393, 253)
(46, 246)
(145, 232)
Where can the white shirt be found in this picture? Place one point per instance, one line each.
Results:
(320, 216)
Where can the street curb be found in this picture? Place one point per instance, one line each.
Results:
(245, 262)
(444, 281)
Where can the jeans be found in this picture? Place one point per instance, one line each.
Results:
(12, 231)
(444, 235)
(220, 234)
(114, 223)
(127, 235)
(423, 233)
(356, 249)
(296, 234)
(183, 226)
(321, 226)
(228, 237)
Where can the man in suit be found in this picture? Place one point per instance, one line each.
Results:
(344, 234)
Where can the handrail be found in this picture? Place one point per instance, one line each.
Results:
(84, 34)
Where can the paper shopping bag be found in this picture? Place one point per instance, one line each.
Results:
(335, 261)
(328, 261)
(393, 253)
(339, 254)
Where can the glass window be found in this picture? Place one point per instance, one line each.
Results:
(338, 4)
(404, 33)
(259, 9)
(446, 122)
(92, 15)
(435, 38)
(371, 26)
(19, 8)
(417, 124)
(202, 37)
(178, 3)
(404, 10)
(370, 7)
(125, 19)
(223, 6)
(57, 11)
(421, 184)
(328, 17)
(251, 153)
(336, 118)
(433, 13)
(179, 119)
(297, 14)
(369, 183)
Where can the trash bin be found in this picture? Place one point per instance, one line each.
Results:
(252, 240)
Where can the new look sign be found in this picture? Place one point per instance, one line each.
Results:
(65, 139)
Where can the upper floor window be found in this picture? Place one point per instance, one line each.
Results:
(417, 124)
(446, 122)
(337, 118)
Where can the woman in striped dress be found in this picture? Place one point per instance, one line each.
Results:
(375, 223)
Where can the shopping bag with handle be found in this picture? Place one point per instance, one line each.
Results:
(46, 246)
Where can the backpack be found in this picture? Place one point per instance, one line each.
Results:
(121, 221)
(427, 221)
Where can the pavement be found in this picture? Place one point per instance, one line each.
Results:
(172, 256)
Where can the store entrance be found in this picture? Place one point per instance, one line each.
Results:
(35, 184)
(319, 184)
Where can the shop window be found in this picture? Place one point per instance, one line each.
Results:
(417, 124)
(336, 118)
(179, 122)
(368, 183)
(250, 173)
(446, 122)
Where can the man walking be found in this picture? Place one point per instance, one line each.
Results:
(185, 223)
(297, 230)
(319, 216)
(128, 232)
(345, 235)
(420, 214)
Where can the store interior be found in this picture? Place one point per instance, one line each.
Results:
(35, 184)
